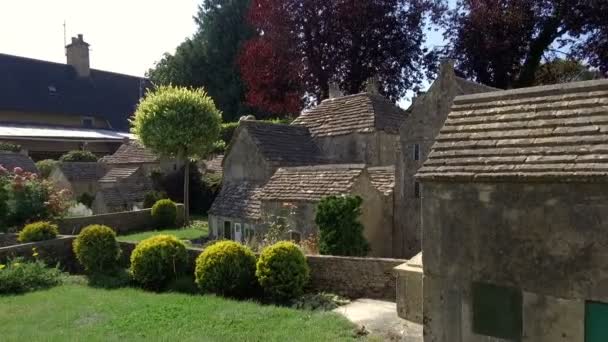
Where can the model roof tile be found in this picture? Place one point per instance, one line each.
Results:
(239, 200)
(11, 160)
(81, 171)
(131, 152)
(311, 183)
(119, 173)
(359, 113)
(383, 178)
(558, 132)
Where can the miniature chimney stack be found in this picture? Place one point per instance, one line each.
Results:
(373, 86)
(334, 90)
(77, 53)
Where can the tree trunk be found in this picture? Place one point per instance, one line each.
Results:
(186, 189)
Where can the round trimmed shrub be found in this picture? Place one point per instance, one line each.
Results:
(38, 231)
(226, 268)
(282, 271)
(158, 260)
(164, 213)
(97, 249)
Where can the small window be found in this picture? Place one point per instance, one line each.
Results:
(238, 234)
(87, 122)
(416, 152)
(295, 236)
(416, 189)
(227, 230)
(497, 311)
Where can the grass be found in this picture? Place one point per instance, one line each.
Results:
(197, 229)
(75, 312)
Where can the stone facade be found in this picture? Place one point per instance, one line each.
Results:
(409, 289)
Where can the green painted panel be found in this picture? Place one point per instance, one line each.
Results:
(596, 322)
(497, 311)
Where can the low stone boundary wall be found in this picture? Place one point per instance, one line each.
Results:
(54, 251)
(123, 222)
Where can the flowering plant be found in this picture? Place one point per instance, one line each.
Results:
(24, 197)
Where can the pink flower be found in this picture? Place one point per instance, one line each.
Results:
(2, 170)
(17, 170)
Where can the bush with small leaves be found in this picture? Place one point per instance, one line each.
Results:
(226, 268)
(151, 197)
(20, 276)
(282, 271)
(46, 167)
(38, 231)
(97, 249)
(164, 213)
(158, 260)
(78, 156)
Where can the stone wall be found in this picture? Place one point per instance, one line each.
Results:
(373, 149)
(56, 251)
(545, 242)
(123, 222)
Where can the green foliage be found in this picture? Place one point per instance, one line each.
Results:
(158, 260)
(86, 199)
(226, 268)
(227, 132)
(20, 276)
(341, 233)
(4, 146)
(96, 249)
(38, 231)
(177, 122)
(563, 71)
(282, 271)
(164, 213)
(78, 156)
(46, 167)
(151, 197)
(319, 302)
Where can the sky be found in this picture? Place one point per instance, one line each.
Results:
(125, 36)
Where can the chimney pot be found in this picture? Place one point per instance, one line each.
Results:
(334, 90)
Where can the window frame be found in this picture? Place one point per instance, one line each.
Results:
(89, 118)
(416, 152)
(227, 228)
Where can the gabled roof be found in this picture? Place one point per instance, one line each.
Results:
(383, 178)
(80, 171)
(557, 132)
(119, 173)
(360, 113)
(131, 152)
(118, 196)
(237, 200)
(11, 160)
(311, 183)
(282, 144)
(32, 85)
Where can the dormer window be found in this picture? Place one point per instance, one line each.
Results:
(87, 121)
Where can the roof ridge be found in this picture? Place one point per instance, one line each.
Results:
(326, 167)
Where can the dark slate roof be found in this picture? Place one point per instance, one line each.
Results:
(283, 144)
(383, 178)
(360, 113)
(74, 171)
(131, 152)
(11, 160)
(237, 200)
(27, 85)
(558, 132)
(118, 173)
(311, 183)
(124, 193)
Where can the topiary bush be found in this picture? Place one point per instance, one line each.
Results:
(341, 232)
(79, 156)
(158, 260)
(164, 213)
(97, 249)
(38, 231)
(282, 271)
(226, 268)
(151, 197)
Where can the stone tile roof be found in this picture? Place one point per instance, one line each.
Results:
(283, 144)
(77, 171)
(311, 183)
(558, 132)
(238, 200)
(360, 113)
(214, 165)
(122, 194)
(131, 152)
(11, 160)
(470, 87)
(118, 173)
(383, 178)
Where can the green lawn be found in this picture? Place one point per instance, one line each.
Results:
(75, 312)
(199, 228)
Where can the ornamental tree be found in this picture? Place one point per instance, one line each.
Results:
(178, 122)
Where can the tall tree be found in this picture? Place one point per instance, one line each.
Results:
(504, 42)
(209, 58)
(342, 41)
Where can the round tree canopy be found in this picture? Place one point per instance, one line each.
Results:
(173, 120)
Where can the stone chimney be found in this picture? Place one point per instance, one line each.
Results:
(446, 66)
(334, 90)
(77, 53)
(373, 86)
